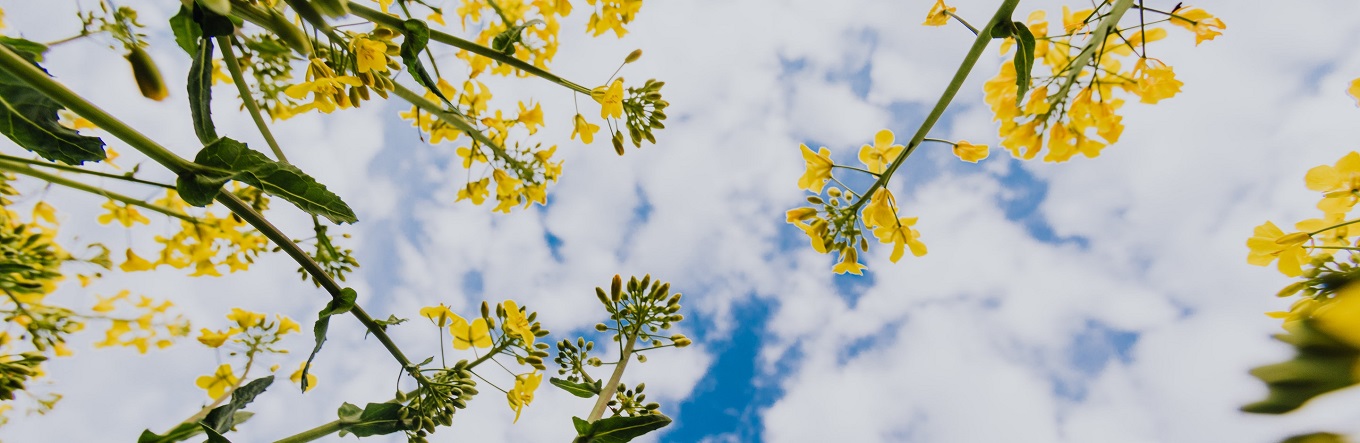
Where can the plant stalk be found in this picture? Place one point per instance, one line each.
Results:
(613, 384)
(6, 165)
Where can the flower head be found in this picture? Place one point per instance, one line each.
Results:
(517, 324)
(610, 98)
(470, 335)
(219, 382)
(585, 129)
(939, 14)
(970, 152)
(523, 392)
(297, 377)
(818, 169)
(1269, 243)
(439, 315)
(881, 154)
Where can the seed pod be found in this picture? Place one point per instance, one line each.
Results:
(618, 142)
(633, 56)
(146, 73)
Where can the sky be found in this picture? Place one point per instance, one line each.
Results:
(1103, 299)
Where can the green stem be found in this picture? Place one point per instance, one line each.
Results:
(974, 53)
(852, 168)
(37, 79)
(1344, 248)
(17, 168)
(234, 67)
(963, 22)
(1310, 234)
(613, 384)
(457, 120)
(313, 433)
(1097, 39)
(61, 167)
(381, 19)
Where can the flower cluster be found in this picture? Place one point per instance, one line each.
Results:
(837, 223)
(1072, 99)
(249, 335)
(153, 325)
(516, 337)
(524, 29)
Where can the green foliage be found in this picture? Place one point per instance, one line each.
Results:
(222, 418)
(579, 389)
(1322, 364)
(505, 41)
(336, 306)
(618, 429)
(417, 36)
(200, 92)
(182, 432)
(1317, 437)
(373, 419)
(213, 436)
(186, 31)
(1024, 58)
(29, 117)
(232, 160)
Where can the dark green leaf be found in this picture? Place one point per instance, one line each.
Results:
(186, 30)
(383, 324)
(1322, 364)
(1002, 30)
(376, 419)
(182, 432)
(1024, 59)
(213, 436)
(213, 24)
(582, 426)
(417, 36)
(583, 390)
(505, 41)
(30, 118)
(223, 418)
(349, 413)
(200, 93)
(323, 321)
(237, 162)
(621, 429)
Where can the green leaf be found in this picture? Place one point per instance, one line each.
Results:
(200, 92)
(349, 413)
(1024, 59)
(219, 8)
(186, 30)
(1322, 364)
(375, 419)
(383, 324)
(30, 118)
(182, 432)
(505, 41)
(323, 322)
(213, 436)
(1002, 30)
(621, 429)
(582, 426)
(223, 418)
(1317, 437)
(417, 36)
(583, 390)
(237, 162)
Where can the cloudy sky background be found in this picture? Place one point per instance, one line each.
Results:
(1102, 299)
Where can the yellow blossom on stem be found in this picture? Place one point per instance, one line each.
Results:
(327, 89)
(1354, 91)
(105, 304)
(297, 377)
(517, 324)
(1198, 21)
(476, 191)
(474, 334)
(1269, 243)
(219, 382)
(1156, 81)
(215, 339)
(880, 210)
(287, 325)
(1339, 182)
(881, 154)
(849, 263)
(610, 99)
(902, 236)
(970, 152)
(245, 318)
(818, 169)
(369, 55)
(523, 392)
(124, 214)
(585, 129)
(939, 14)
(531, 118)
(135, 263)
(439, 315)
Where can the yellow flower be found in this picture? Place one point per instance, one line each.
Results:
(215, 339)
(939, 14)
(1340, 182)
(470, 156)
(297, 377)
(1198, 21)
(849, 263)
(1354, 90)
(531, 118)
(610, 99)
(1269, 243)
(437, 18)
(818, 169)
(470, 335)
(245, 318)
(327, 89)
(901, 236)
(287, 325)
(881, 154)
(219, 383)
(1301, 309)
(880, 210)
(815, 232)
(517, 324)
(1074, 20)
(1340, 316)
(585, 129)
(475, 190)
(135, 263)
(439, 315)
(219, 77)
(106, 304)
(369, 55)
(1156, 81)
(124, 214)
(970, 152)
(523, 392)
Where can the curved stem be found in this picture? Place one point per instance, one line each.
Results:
(6, 165)
(234, 67)
(962, 21)
(1310, 234)
(313, 433)
(613, 384)
(979, 44)
(385, 20)
(61, 167)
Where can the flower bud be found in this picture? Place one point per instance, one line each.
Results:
(633, 56)
(146, 73)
